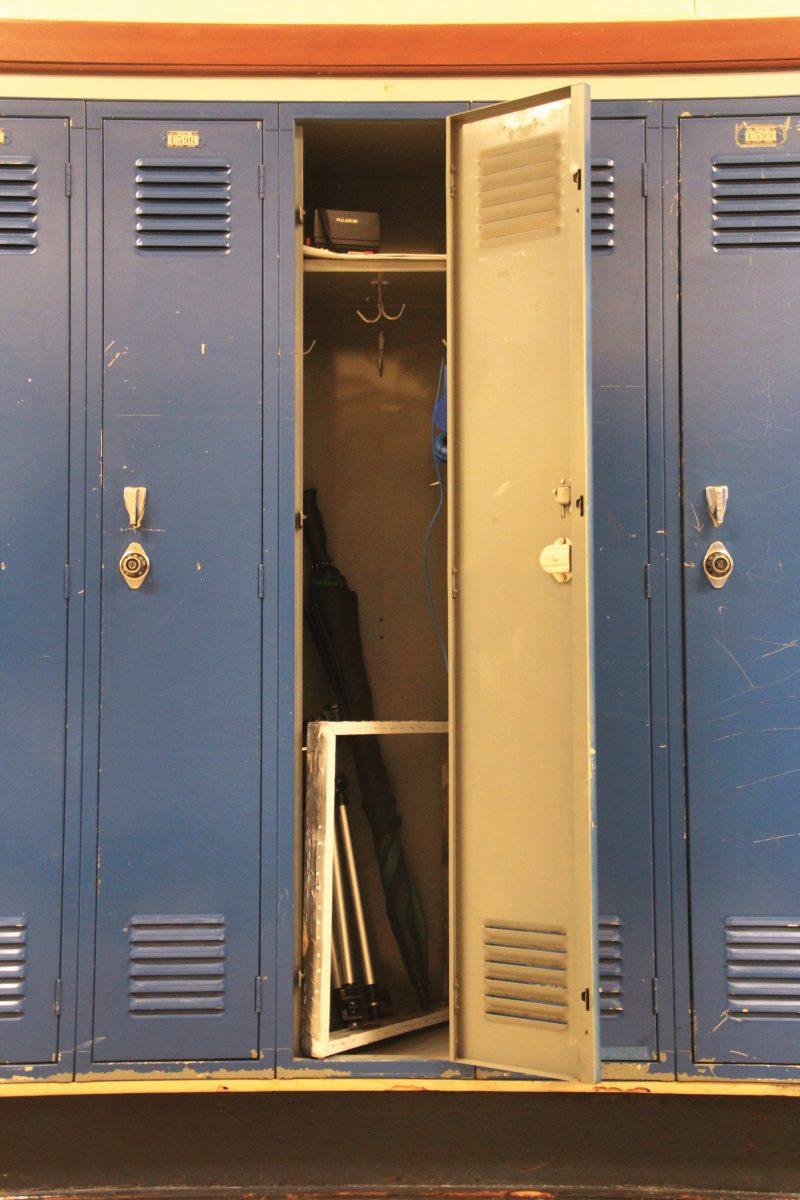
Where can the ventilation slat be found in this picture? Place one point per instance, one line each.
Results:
(13, 966)
(763, 968)
(610, 938)
(18, 205)
(755, 201)
(177, 965)
(602, 195)
(162, 1006)
(525, 973)
(519, 190)
(150, 969)
(183, 206)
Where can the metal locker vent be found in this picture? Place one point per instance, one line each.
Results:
(763, 967)
(755, 201)
(177, 966)
(602, 200)
(611, 991)
(183, 205)
(13, 954)
(525, 973)
(18, 202)
(519, 190)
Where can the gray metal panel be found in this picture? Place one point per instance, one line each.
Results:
(523, 955)
(34, 549)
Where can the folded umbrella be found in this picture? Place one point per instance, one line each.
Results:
(332, 614)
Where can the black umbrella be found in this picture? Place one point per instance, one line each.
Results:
(332, 615)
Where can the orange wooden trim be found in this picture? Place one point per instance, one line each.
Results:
(618, 47)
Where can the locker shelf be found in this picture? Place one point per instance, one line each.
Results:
(350, 264)
(414, 281)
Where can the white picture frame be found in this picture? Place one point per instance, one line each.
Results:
(317, 1038)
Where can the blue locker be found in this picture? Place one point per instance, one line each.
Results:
(34, 553)
(178, 887)
(740, 383)
(622, 635)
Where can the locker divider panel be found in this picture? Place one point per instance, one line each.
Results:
(39, 629)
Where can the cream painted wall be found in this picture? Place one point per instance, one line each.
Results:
(391, 11)
(631, 87)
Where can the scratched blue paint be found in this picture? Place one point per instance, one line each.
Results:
(179, 806)
(741, 427)
(34, 549)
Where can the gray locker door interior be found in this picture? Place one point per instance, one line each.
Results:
(622, 638)
(34, 548)
(178, 885)
(523, 960)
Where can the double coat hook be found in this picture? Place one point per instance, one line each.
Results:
(380, 307)
(381, 313)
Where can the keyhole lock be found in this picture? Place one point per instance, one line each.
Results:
(134, 566)
(717, 564)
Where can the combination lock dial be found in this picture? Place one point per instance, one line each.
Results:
(134, 565)
(717, 564)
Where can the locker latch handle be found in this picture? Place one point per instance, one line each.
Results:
(135, 500)
(717, 501)
(556, 560)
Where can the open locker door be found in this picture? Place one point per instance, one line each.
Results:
(523, 960)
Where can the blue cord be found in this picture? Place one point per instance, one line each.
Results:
(437, 466)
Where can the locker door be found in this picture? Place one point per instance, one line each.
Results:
(34, 547)
(622, 639)
(177, 942)
(523, 956)
(740, 257)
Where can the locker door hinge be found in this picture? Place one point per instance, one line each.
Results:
(655, 995)
(586, 997)
(261, 581)
(644, 179)
(260, 981)
(577, 178)
(68, 178)
(648, 591)
(66, 581)
(57, 998)
(261, 181)
(452, 180)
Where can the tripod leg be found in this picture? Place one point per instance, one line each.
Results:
(343, 820)
(349, 993)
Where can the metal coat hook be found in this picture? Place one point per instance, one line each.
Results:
(380, 307)
(310, 348)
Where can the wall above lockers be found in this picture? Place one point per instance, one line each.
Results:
(395, 12)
